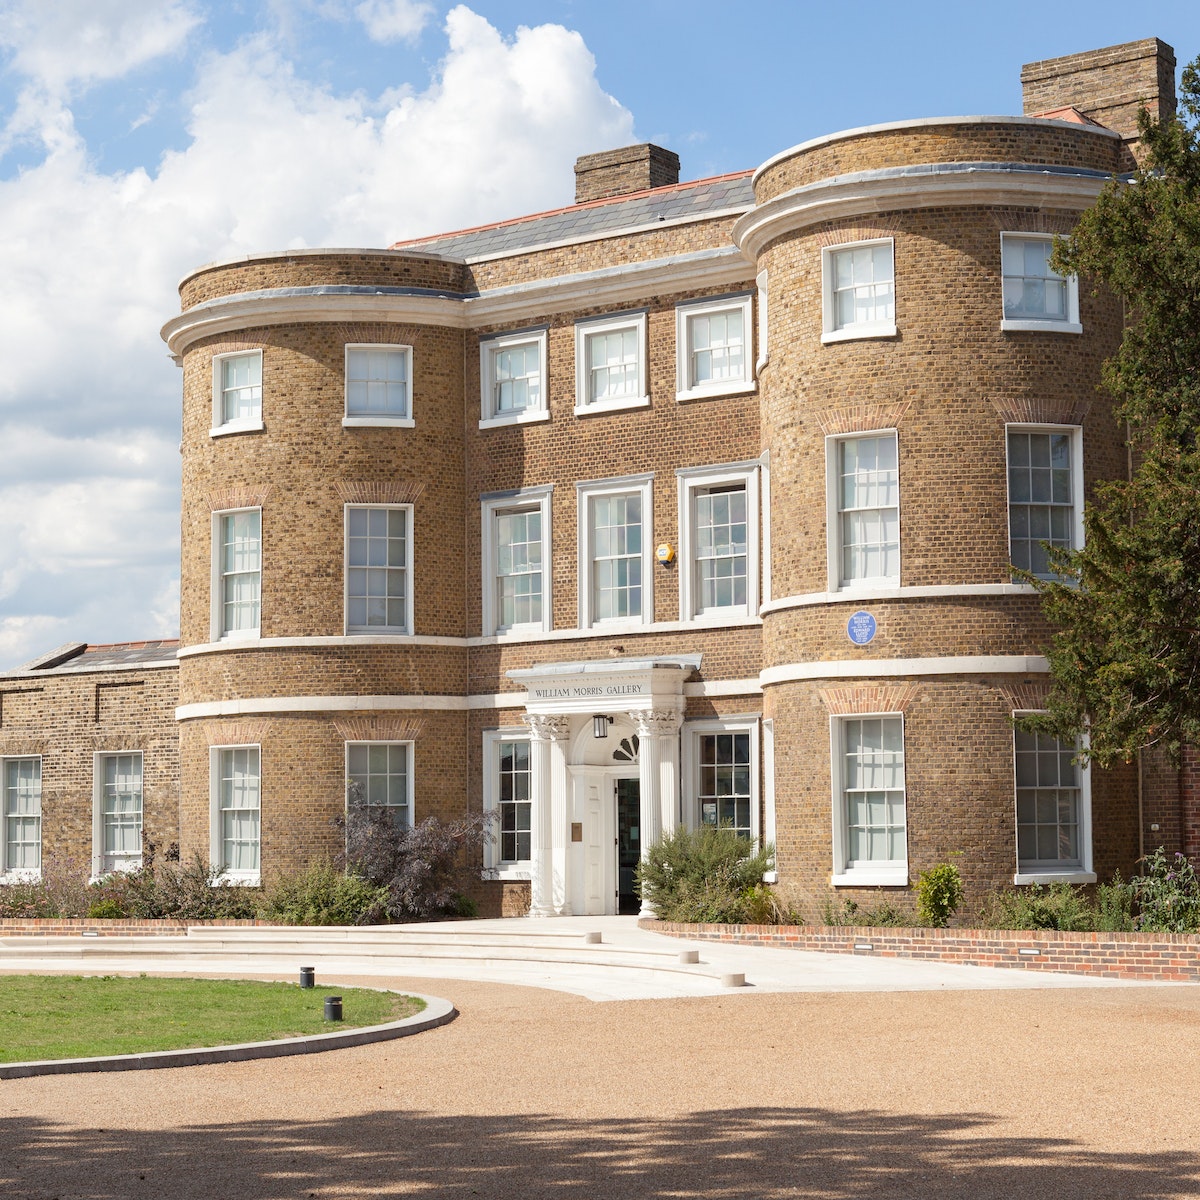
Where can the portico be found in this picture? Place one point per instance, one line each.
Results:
(604, 775)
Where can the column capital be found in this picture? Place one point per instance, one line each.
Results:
(547, 728)
(656, 722)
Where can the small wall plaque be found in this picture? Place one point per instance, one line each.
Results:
(577, 831)
(860, 629)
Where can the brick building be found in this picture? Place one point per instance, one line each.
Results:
(691, 502)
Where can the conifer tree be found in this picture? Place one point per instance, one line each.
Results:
(1125, 662)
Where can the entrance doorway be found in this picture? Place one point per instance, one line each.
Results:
(628, 844)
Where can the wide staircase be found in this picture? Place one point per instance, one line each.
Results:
(604, 958)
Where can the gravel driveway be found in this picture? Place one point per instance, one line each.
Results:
(1064, 1093)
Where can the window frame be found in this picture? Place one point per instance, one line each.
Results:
(134, 863)
(493, 506)
(1072, 322)
(1077, 489)
(706, 306)
(892, 873)
(691, 482)
(380, 420)
(590, 327)
(833, 514)
(9, 873)
(216, 845)
(409, 575)
(409, 748)
(494, 866)
(220, 426)
(830, 330)
(1085, 872)
(217, 631)
(489, 347)
(693, 731)
(586, 492)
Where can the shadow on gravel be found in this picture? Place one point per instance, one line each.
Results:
(746, 1153)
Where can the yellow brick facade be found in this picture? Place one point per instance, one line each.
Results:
(774, 683)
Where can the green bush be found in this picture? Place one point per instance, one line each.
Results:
(1114, 906)
(850, 912)
(321, 894)
(1040, 906)
(105, 909)
(939, 893)
(707, 874)
(1167, 895)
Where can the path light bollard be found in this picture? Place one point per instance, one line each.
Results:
(333, 1008)
(308, 977)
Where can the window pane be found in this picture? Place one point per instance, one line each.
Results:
(121, 811)
(1040, 497)
(1047, 802)
(241, 387)
(377, 383)
(514, 793)
(241, 564)
(377, 538)
(377, 778)
(519, 567)
(873, 790)
(238, 800)
(869, 495)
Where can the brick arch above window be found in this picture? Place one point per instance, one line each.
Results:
(379, 729)
(228, 499)
(1025, 697)
(1036, 410)
(870, 698)
(235, 733)
(1022, 220)
(395, 491)
(859, 418)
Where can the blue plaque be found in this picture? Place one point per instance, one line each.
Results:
(860, 629)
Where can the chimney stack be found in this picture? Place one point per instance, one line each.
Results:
(621, 172)
(1108, 85)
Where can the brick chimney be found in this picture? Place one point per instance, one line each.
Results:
(1108, 85)
(620, 172)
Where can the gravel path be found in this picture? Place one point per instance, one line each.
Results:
(1064, 1094)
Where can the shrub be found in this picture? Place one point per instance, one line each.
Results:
(1039, 906)
(850, 912)
(419, 871)
(321, 894)
(1167, 896)
(707, 874)
(939, 893)
(105, 909)
(1114, 906)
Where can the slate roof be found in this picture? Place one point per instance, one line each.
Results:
(81, 657)
(581, 221)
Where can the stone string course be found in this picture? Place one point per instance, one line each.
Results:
(1146, 957)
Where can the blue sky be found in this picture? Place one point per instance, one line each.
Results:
(142, 138)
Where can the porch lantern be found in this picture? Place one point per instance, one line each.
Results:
(600, 726)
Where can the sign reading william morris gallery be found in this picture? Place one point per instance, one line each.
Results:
(608, 690)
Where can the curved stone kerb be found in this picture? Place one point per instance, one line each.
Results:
(436, 1012)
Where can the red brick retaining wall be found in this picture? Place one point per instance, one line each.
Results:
(1153, 957)
(77, 926)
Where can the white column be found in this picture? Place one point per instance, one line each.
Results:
(544, 732)
(658, 776)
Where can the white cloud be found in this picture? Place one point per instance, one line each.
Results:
(393, 20)
(57, 43)
(92, 260)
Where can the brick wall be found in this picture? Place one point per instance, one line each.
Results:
(68, 718)
(1142, 957)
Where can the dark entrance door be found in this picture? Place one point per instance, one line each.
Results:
(629, 843)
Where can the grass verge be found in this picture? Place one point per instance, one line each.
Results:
(61, 1016)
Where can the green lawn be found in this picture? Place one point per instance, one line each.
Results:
(60, 1016)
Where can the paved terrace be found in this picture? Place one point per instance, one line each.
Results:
(599, 958)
